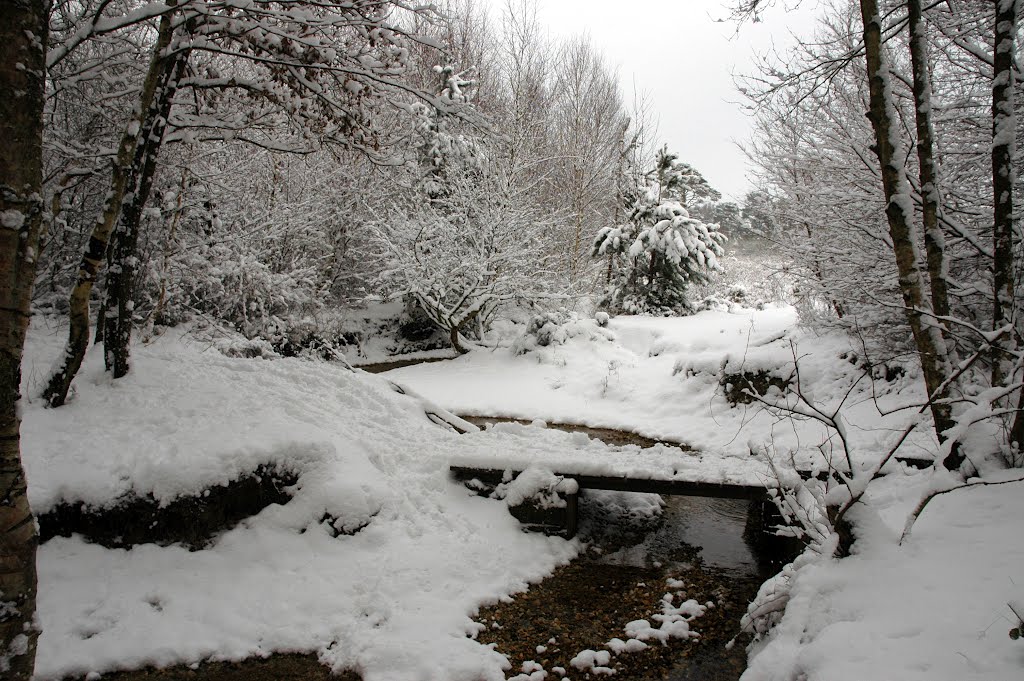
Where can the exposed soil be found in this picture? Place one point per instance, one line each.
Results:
(735, 386)
(283, 667)
(190, 520)
(381, 367)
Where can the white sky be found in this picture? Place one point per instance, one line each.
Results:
(676, 52)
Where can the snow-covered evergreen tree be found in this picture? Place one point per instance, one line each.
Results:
(664, 249)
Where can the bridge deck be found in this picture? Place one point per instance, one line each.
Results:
(693, 488)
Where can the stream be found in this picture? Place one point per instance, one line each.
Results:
(635, 543)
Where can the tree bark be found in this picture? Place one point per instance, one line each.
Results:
(23, 37)
(1003, 152)
(934, 239)
(899, 211)
(1003, 133)
(122, 255)
(78, 335)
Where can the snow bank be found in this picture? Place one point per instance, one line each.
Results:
(934, 609)
(393, 600)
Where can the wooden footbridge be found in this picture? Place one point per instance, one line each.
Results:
(564, 520)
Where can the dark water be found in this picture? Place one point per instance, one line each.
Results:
(719, 529)
(718, 544)
(725, 530)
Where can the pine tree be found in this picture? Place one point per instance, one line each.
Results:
(665, 249)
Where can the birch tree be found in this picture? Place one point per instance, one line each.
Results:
(949, 227)
(899, 211)
(23, 36)
(56, 391)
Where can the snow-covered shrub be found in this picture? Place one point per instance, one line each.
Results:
(737, 293)
(802, 505)
(742, 377)
(555, 328)
(751, 277)
(372, 332)
(242, 290)
(602, 318)
(714, 303)
(460, 240)
(248, 348)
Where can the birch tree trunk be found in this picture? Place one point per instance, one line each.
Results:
(899, 211)
(1003, 133)
(123, 252)
(23, 37)
(56, 391)
(934, 239)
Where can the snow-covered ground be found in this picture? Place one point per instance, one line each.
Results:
(395, 600)
(659, 377)
(934, 608)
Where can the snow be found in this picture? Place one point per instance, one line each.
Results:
(934, 608)
(393, 600)
(660, 377)
(593, 661)
(12, 219)
(539, 484)
(674, 622)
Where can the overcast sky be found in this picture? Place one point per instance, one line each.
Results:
(676, 52)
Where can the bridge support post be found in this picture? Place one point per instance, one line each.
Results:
(561, 521)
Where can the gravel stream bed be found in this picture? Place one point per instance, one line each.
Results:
(714, 547)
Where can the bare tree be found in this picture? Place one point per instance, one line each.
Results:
(931, 201)
(899, 211)
(327, 82)
(56, 391)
